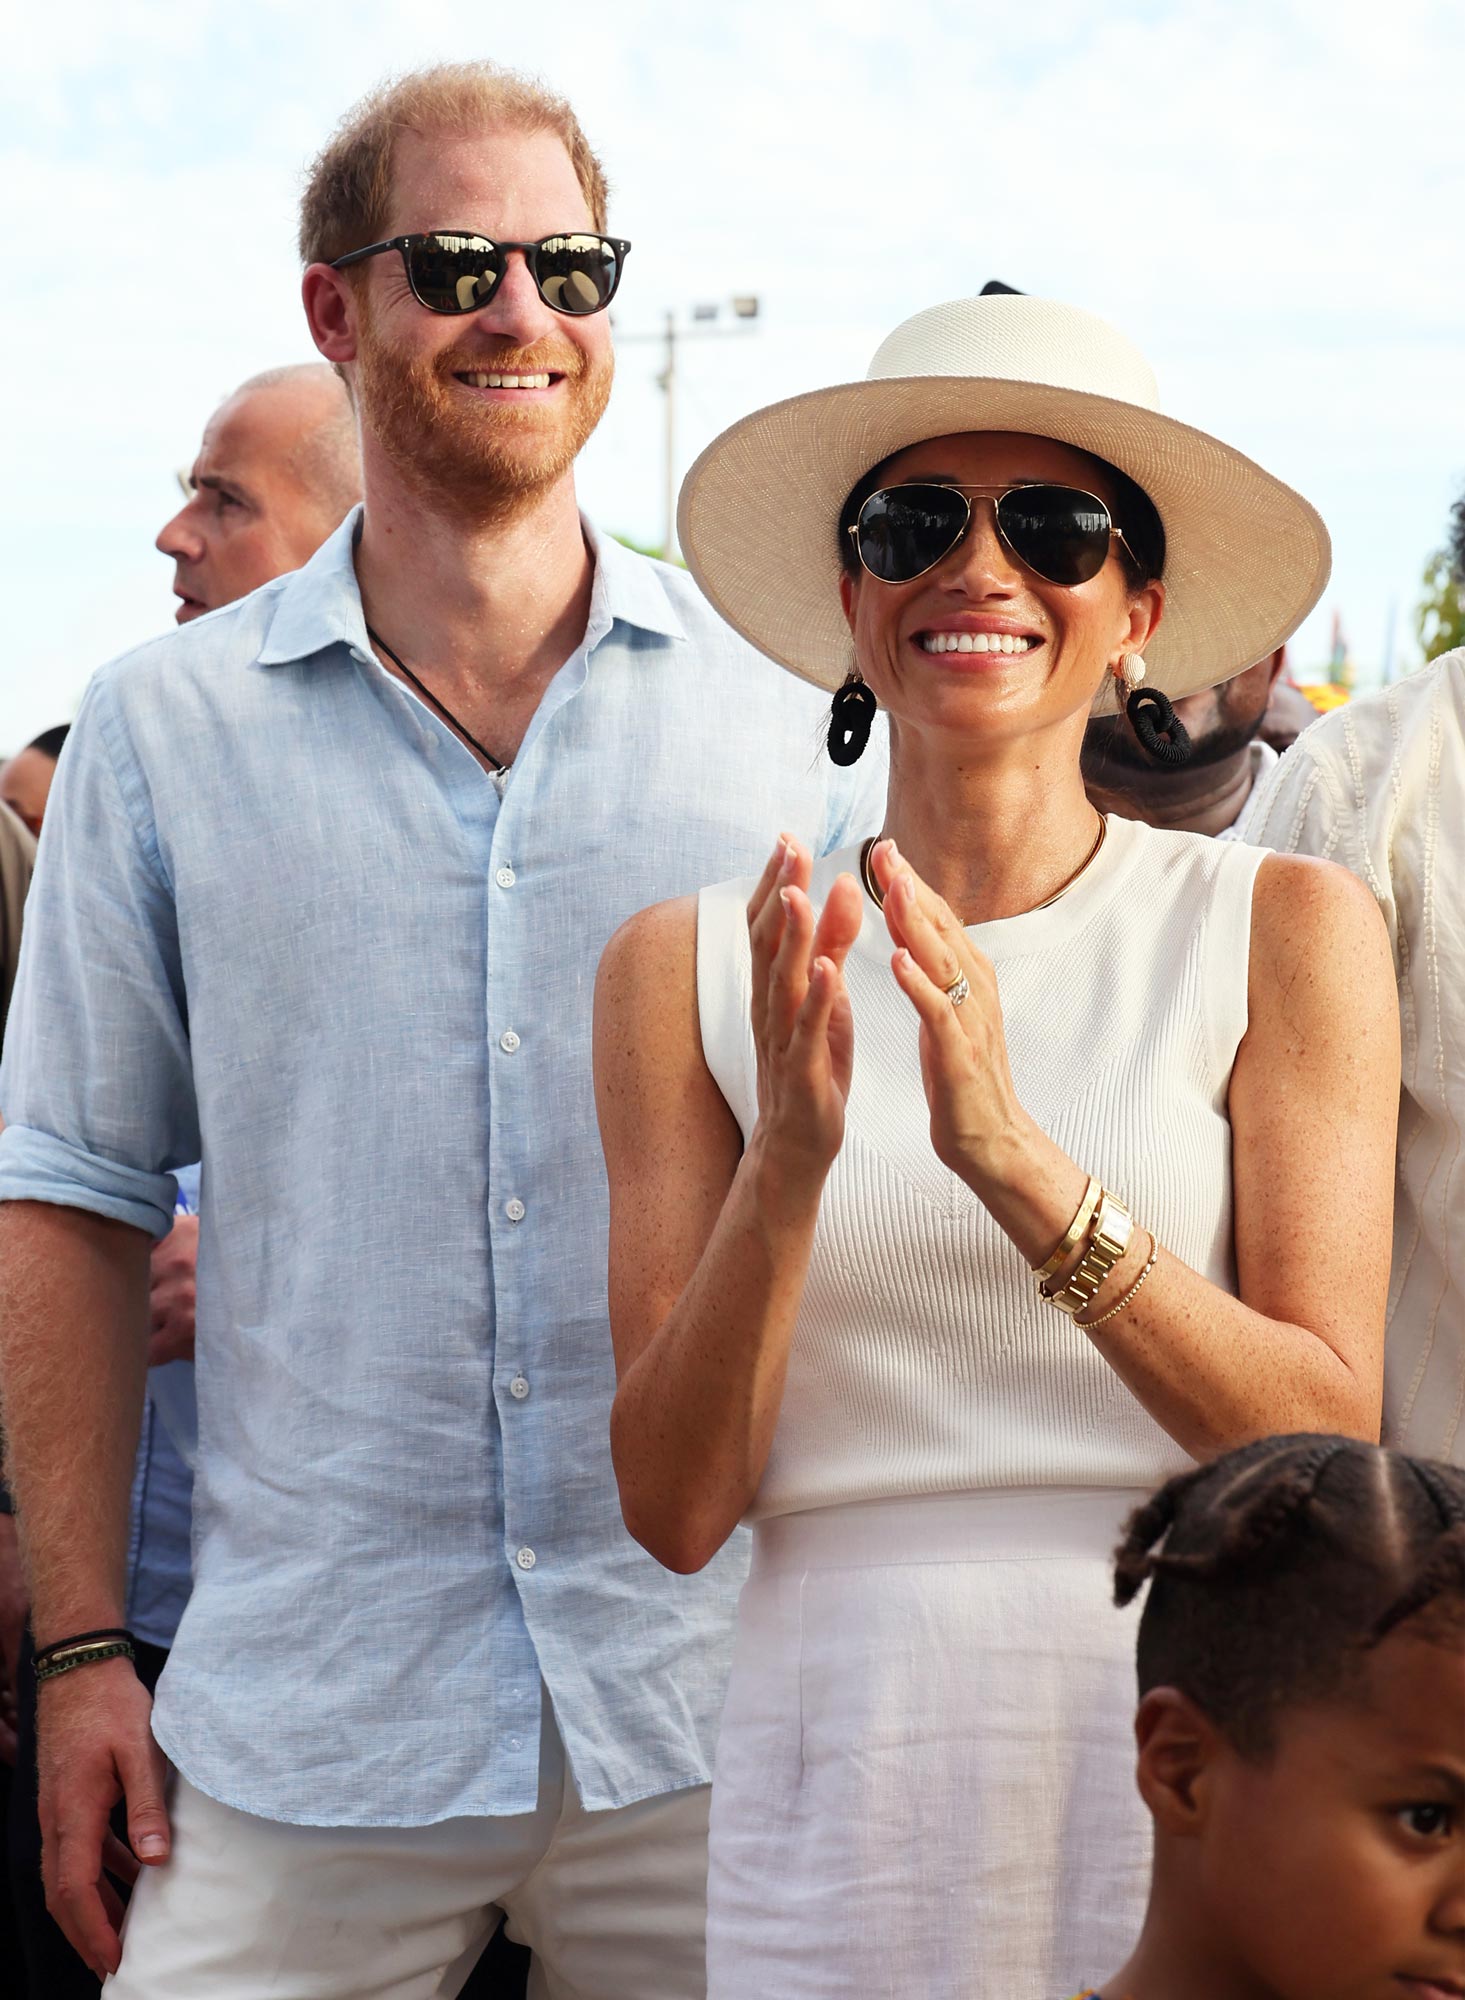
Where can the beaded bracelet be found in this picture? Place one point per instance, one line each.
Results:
(1088, 1325)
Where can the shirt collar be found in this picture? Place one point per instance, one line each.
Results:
(320, 605)
(627, 587)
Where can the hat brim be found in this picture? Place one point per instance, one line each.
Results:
(1246, 557)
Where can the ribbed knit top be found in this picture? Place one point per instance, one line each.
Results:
(923, 1359)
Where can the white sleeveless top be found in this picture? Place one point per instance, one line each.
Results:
(923, 1359)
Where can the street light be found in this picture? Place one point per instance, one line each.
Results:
(704, 327)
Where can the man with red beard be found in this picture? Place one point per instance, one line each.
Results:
(325, 882)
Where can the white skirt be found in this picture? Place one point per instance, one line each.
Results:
(925, 1776)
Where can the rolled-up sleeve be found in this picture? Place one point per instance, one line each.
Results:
(96, 1088)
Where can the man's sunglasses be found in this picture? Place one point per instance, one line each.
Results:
(451, 271)
(1060, 533)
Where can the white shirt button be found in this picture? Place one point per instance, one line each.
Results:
(505, 877)
(508, 1041)
(519, 1388)
(526, 1559)
(515, 1210)
(516, 1743)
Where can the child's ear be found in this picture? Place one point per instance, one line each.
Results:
(1179, 1748)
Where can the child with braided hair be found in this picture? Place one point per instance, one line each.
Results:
(1301, 1726)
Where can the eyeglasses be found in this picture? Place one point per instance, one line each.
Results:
(453, 272)
(1060, 533)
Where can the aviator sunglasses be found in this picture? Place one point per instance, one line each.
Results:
(1060, 533)
(453, 271)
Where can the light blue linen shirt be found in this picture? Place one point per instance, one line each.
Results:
(160, 1522)
(283, 921)
(160, 1531)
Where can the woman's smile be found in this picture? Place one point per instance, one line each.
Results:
(971, 642)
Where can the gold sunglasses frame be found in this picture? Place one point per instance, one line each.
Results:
(996, 494)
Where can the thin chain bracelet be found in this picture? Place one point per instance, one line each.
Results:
(1088, 1325)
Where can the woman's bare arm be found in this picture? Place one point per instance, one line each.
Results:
(1314, 1107)
(709, 1244)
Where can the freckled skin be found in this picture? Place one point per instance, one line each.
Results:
(488, 445)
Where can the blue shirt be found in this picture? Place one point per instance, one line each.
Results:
(159, 1572)
(160, 1522)
(284, 922)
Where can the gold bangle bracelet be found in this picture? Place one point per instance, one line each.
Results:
(1088, 1325)
(1108, 1240)
(1076, 1228)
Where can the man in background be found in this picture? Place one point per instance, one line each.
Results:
(25, 778)
(17, 859)
(278, 469)
(1212, 793)
(1379, 785)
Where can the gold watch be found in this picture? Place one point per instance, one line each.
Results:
(1112, 1229)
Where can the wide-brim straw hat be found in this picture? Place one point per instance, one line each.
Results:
(1246, 558)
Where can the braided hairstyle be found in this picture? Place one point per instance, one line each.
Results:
(1275, 1569)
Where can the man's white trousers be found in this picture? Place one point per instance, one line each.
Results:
(613, 1904)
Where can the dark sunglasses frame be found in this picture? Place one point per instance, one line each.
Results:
(997, 494)
(501, 247)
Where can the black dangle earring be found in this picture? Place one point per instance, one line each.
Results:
(850, 715)
(1152, 716)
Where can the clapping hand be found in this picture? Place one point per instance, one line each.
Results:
(802, 1028)
(975, 1113)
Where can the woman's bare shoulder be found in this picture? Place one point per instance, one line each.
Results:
(1306, 909)
(656, 947)
(1321, 967)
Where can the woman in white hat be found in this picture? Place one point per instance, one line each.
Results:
(966, 1185)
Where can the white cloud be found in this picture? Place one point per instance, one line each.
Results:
(1266, 196)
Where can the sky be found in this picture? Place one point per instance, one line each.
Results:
(1266, 195)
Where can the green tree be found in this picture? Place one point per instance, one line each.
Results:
(648, 549)
(1440, 619)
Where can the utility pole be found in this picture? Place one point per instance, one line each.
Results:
(667, 381)
(744, 310)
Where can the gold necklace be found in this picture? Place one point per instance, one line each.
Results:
(873, 892)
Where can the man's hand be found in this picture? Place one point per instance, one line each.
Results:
(95, 1746)
(14, 1610)
(174, 1293)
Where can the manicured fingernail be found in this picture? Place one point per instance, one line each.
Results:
(790, 857)
(152, 1847)
(786, 899)
(894, 850)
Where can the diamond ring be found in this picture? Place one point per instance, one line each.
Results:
(958, 990)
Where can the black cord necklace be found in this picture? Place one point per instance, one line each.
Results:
(441, 706)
